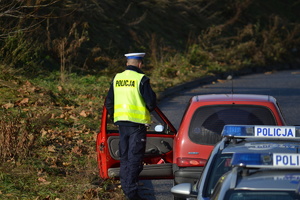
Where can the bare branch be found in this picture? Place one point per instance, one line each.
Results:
(31, 27)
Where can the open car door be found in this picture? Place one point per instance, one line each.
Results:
(158, 154)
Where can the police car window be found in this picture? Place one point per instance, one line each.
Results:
(221, 165)
(207, 122)
(259, 195)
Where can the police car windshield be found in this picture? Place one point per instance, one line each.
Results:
(207, 122)
(261, 195)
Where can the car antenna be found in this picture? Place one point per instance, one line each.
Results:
(231, 84)
(230, 77)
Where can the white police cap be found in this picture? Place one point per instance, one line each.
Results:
(137, 56)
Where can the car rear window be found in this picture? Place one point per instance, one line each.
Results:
(208, 121)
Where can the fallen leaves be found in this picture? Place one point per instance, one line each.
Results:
(51, 148)
(83, 114)
(22, 102)
(43, 181)
(8, 105)
(27, 88)
(63, 142)
(77, 150)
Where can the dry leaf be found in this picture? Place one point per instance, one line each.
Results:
(51, 148)
(73, 117)
(221, 81)
(83, 114)
(23, 101)
(267, 73)
(66, 163)
(77, 150)
(59, 88)
(69, 107)
(295, 73)
(41, 179)
(43, 132)
(8, 105)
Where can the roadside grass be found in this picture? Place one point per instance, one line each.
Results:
(26, 182)
(48, 131)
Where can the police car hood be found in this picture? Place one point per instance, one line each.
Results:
(265, 179)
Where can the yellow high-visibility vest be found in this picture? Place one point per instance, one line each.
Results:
(129, 104)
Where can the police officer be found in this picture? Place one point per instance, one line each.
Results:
(130, 100)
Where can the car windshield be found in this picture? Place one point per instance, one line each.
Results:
(221, 166)
(260, 195)
(207, 122)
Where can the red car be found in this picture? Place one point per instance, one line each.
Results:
(182, 154)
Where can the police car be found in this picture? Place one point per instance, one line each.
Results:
(243, 139)
(261, 176)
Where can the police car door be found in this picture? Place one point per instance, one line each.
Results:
(158, 154)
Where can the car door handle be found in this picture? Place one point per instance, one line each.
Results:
(166, 144)
(101, 148)
(151, 151)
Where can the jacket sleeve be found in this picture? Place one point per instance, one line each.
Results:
(147, 93)
(109, 101)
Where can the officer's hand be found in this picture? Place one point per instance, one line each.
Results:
(111, 117)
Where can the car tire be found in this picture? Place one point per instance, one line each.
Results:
(178, 198)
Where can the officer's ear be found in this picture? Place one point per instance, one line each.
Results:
(140, 64)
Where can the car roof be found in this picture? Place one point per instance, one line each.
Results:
(269, 179)
(262, 145)
(232, 97)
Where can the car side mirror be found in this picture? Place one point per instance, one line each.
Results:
(159, 128)
(184, 190)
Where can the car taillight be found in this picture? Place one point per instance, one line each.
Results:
(191, 162)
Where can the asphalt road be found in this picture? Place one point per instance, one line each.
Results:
(283, 85)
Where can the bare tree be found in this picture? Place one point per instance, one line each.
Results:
(22, 15)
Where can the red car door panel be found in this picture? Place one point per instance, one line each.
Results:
(158, 154)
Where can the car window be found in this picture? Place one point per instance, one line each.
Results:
(157, 125)
(208, 121)
(218, 187)
(221, 166)
(151, 128)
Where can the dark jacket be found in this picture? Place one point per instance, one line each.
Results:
(146, 91)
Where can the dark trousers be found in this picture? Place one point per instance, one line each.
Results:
(132, 148)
